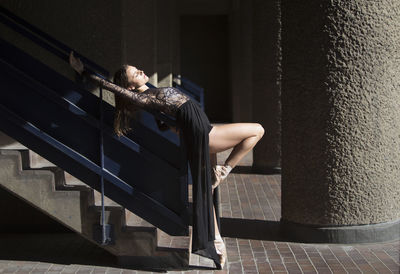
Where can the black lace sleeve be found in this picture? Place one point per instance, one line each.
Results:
(166, 100)
(140, 100)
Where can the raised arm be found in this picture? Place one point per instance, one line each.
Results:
(138, 99)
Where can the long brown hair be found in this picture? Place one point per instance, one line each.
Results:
(123, 108)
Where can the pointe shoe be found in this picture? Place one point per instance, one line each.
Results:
(221, 251)
(220, 172)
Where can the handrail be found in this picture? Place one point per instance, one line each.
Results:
(194, 88)
(65, 57)
(187, 86)
(62, 51)
(87, 117)
(84, 161)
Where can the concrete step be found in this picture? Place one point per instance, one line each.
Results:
(77, 208)
(6, 142)
(37, 188)
(129, 222)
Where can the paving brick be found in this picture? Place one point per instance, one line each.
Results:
(244, 196)
(112, 270)
(70, 269)
(99, 269)
(85, 270)
(56, 267)
(10, 269)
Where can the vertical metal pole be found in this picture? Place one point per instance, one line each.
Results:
(103, 225)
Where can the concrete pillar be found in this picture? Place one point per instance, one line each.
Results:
(266, 68)
(139, 36)
(166, 16)
(341, 120)
(240, 33)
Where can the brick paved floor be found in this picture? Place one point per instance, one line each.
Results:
(250, 208)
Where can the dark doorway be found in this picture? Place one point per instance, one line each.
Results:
(205, 61)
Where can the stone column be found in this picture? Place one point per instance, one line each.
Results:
(266, 68)
(341, 120)
(166, 17)
(240, 40)
(139, 36)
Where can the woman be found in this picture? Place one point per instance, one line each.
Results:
(131, 92)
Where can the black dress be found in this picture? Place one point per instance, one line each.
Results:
(194, 127)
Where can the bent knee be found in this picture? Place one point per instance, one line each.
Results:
(259, 130)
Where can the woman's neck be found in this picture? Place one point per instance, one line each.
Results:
(142, 88)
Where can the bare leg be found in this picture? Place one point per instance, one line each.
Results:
(242, 137)
(215, 223)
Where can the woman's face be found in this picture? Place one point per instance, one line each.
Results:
(136, 77)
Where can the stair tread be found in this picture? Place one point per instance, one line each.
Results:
(166, 240)
(165, 243)
(134, 220)
(37, 161)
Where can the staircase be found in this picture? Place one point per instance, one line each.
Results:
(72, 203)
(64, 149)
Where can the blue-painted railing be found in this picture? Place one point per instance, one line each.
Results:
(193, 90)
(68, 136)
(61, 121)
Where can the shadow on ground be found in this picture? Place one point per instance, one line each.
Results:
(252, 229)
(255, 170)
(56, 248)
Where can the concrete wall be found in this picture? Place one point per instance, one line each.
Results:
(205, 61)
(340, 106)
(91, 27)
(241, 56)
(139, 36)
(266, 70)
(167, 40)
(110, 33)
(146, 34)
(255, 73)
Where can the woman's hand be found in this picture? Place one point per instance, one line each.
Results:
(75, 63)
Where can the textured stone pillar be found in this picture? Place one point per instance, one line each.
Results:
(266, 83)
(341, 118)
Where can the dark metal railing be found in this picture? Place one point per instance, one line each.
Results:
(193, 90)
(7, 70)
(62, 51)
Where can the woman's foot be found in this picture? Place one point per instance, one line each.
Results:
(220, 172)
(221, 251)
